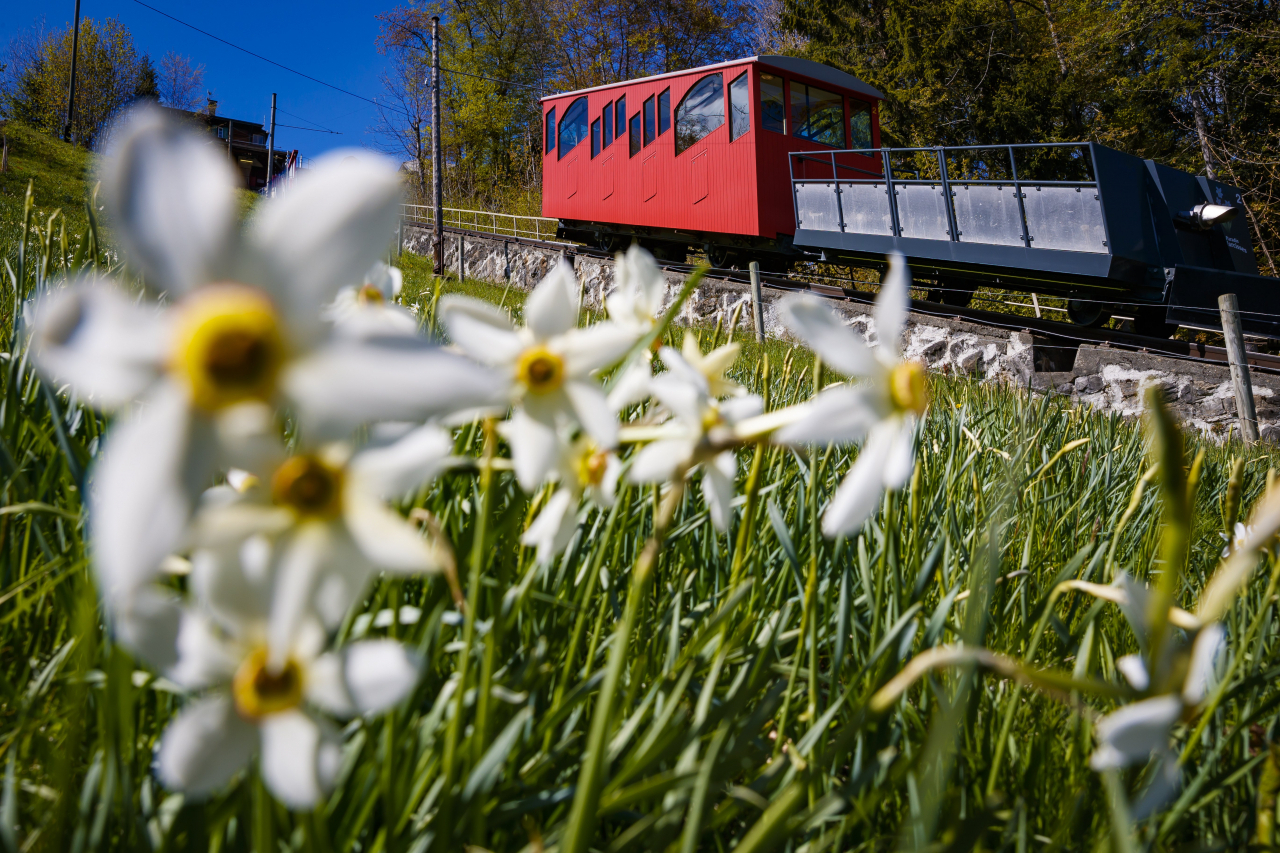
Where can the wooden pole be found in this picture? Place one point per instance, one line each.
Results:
(756, 305)
(71, 88)
(1230, 310)
(437, 187)
(271, 145)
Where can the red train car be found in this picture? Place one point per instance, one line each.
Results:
(699, 158)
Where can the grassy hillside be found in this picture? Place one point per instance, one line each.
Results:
(59, 172)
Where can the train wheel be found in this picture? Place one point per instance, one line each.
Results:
(1151, 322)
(1088, 313)
(612, 243)
(721, 257)
(952, 293)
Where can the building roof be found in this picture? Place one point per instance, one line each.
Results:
(789, 64)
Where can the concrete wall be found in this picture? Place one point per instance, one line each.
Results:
(1108, 379)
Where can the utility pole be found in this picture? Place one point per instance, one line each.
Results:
(437, 187)
(271, 145)
(71, 89)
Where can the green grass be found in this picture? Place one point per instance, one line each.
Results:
(741, 715)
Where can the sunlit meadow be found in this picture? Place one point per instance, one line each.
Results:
(1007, 630)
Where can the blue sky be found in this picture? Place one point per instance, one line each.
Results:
(333, 40)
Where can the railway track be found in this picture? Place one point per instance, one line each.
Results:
(1050, 333)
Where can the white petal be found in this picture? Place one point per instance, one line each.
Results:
(204, 658)
(303, 555)
(551, 531)
(343, 582)
(841, 414)
(606, 493)
(717, 488)
(170, 200)
(552, 307)
(368, 322)
(632, 386)
(901, 462)
(232, 582)
(657, 462)
(1134, 607)
(1201, 674)
(379, 674)
(328, 228)
(226, 524)
(105, 345)
(141, 491)
(823, 331)
(352, 383)
(682, 369)
(388, 280)
(893, 303)
(1134, 671)
(394, 470)
(859, 494)
(206, 745)
(146, 621)
(327, 686)
(386, 538)
(1135, 731)
(534, 448)
(293, 765)
(686, 400)
(740, 408)
(594, 412)
(482, 330)
(595, 347)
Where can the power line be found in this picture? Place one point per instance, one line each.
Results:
(269, 61)
(307, 120)
(312, 129)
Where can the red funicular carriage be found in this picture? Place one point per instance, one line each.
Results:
(699, 158)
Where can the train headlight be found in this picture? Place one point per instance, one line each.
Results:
(1205, 216)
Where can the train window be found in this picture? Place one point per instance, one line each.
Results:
(620, 122)
(607, 123)
(595, 137)
(773, 108)
(573, 127)
(817, 115)
(739, 106)
(664, 111)
(860, 125)
(700, 111)
(650, 121)
(634, 141)
(551, 130)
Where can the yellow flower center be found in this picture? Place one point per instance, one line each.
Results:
(259, 692)
(370, 295)
(907, 387)
(540, 370)
(228, 346)
(308, 486)
(711, 418)
(591, 463)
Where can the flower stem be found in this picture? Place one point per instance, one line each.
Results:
(586, 801)
(748, 517)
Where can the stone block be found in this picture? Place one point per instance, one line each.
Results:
(1090, 384)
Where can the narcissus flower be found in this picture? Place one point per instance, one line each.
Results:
(273, 698)
(369, 310)
(548, 366)
(583, 468)
(238, 328)
(883, 407)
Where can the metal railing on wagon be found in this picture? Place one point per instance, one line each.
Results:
(990, 202)
(487, 221)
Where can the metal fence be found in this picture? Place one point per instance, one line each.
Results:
(487, 221)
(870, 194)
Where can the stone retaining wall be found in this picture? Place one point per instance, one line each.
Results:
(1111, 380)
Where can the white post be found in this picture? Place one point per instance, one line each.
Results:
(757, 307)
(1236, 357)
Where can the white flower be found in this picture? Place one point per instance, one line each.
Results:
(884, 407)
(1133, 733)
(240, 326)
(640, 287)
(583, 468)
(272, 701)
(1241, 535)
(325, 524)
(699, 431)
(548, 366)
(369, 311)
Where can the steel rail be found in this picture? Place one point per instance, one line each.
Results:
(1060, 334)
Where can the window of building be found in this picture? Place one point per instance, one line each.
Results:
(860, 125)
(817, 115)
(701, 111)
(222, 133)
(595, 137)
(650, 121)
(606, 118)
(634, 141)
(259, 139)
(620, 118)
(739, 106)
(551, 130)
(773, 108)
(664, 111)
(573, 127)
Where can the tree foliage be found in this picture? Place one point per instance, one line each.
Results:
(110, 74)
(181, 83)
(1191, 83)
